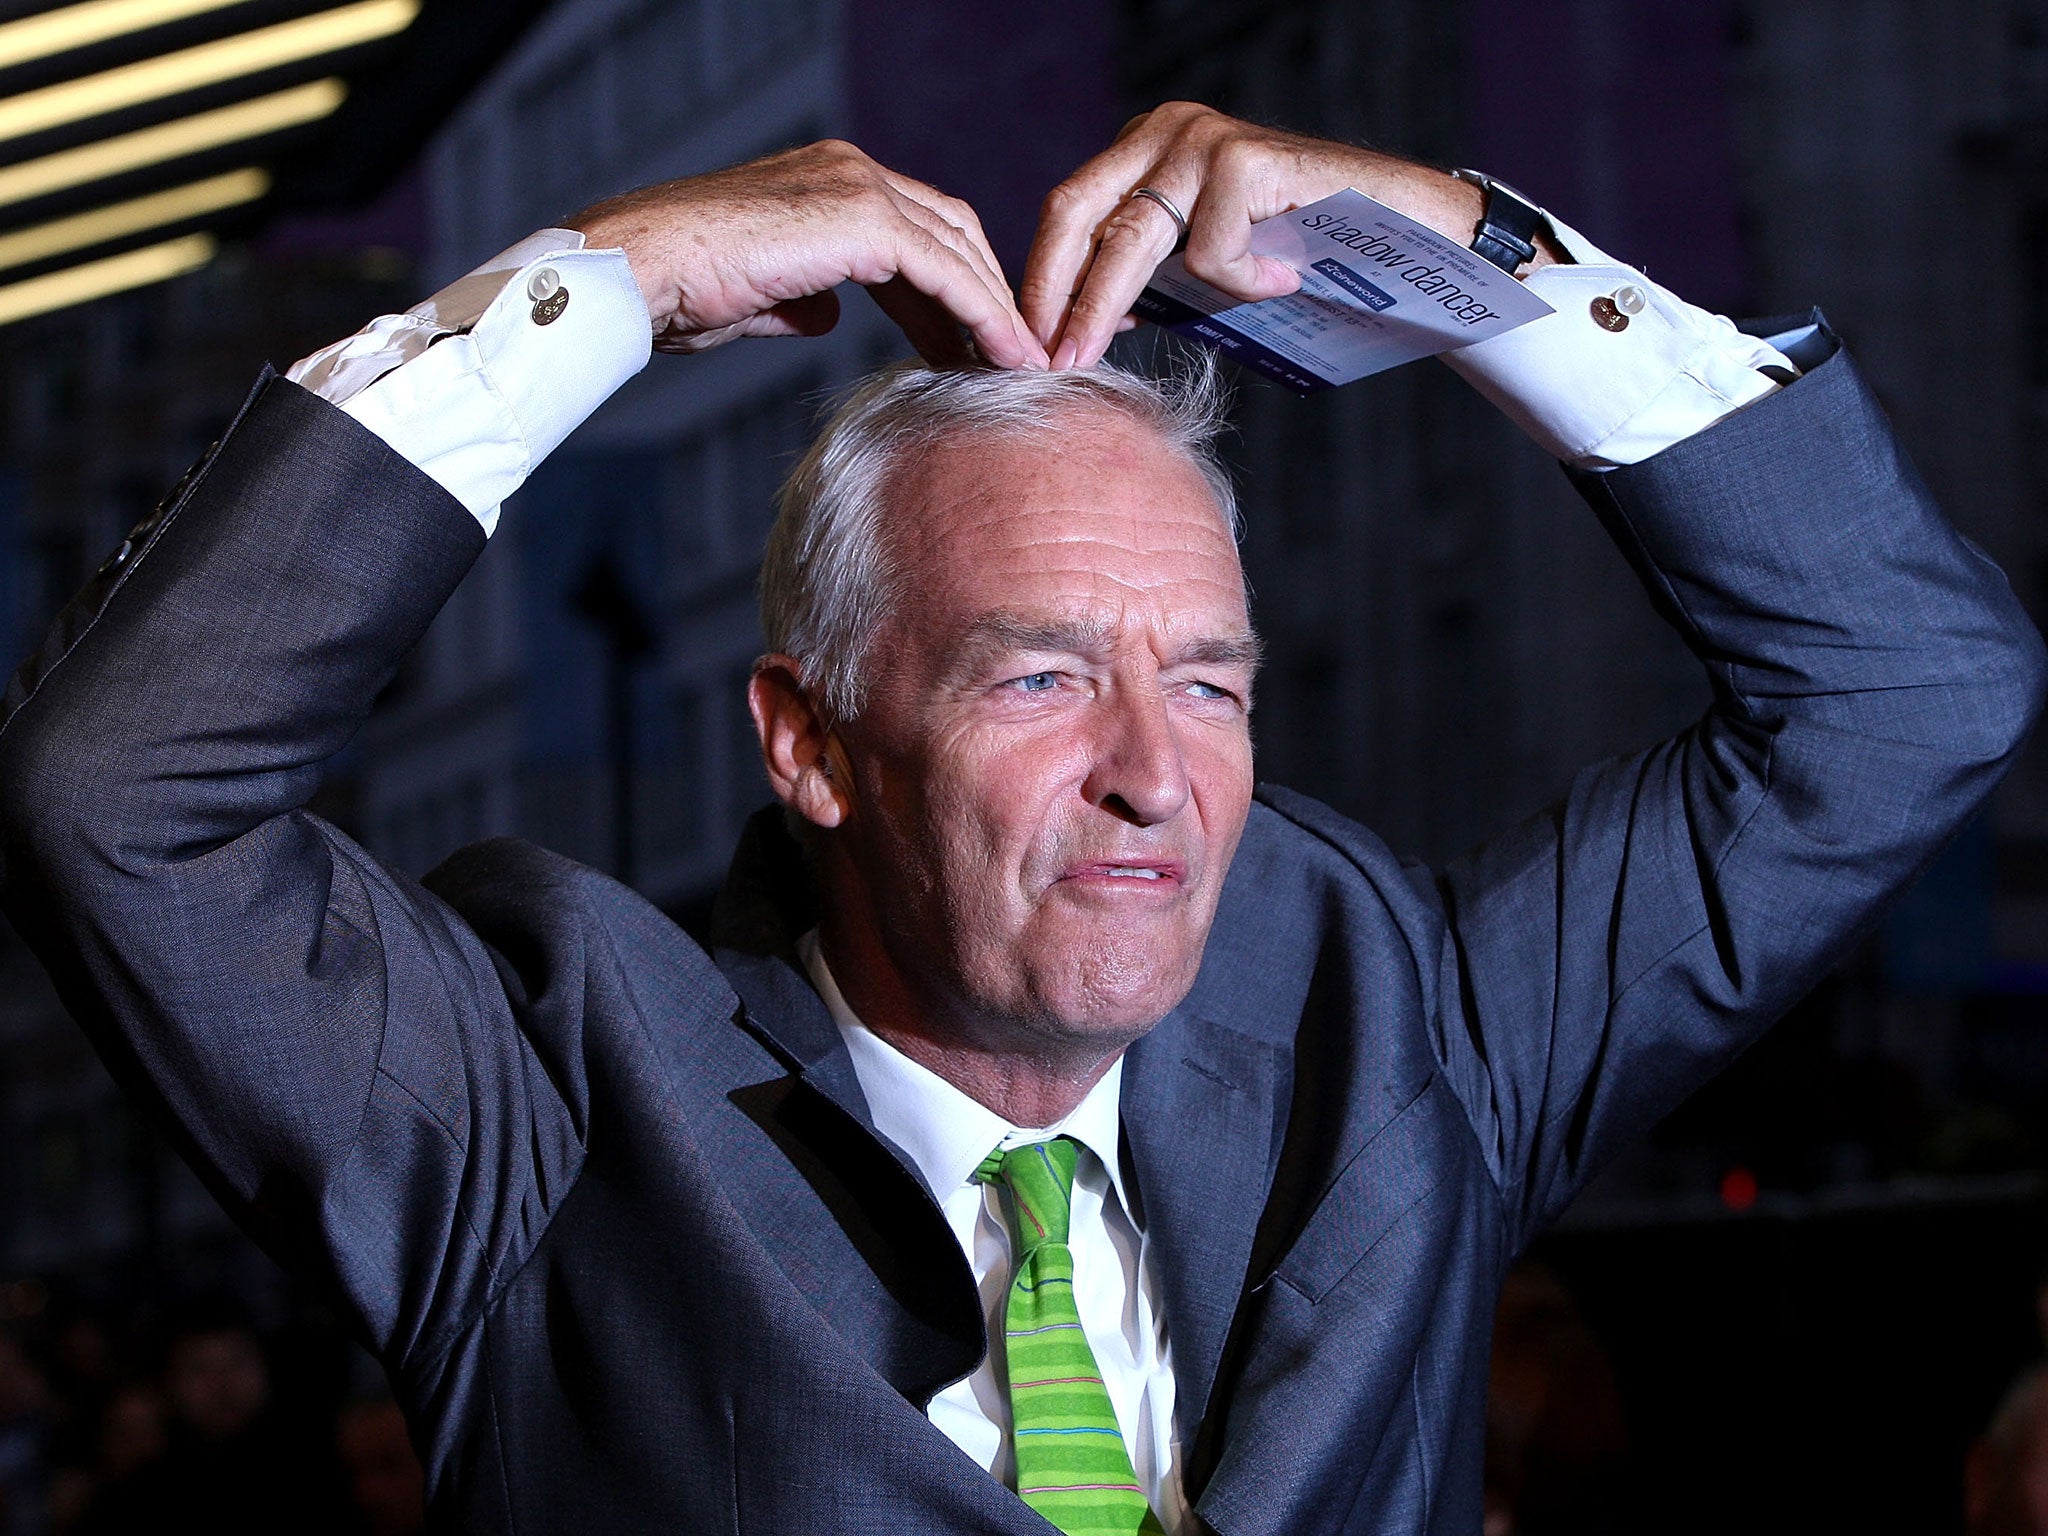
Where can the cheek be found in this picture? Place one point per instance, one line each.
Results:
(998, 793)
(951, 840)
(1220, 771)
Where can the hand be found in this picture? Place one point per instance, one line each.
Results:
(1097, 244)
(757, 249)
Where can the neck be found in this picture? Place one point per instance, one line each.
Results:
(1030, 1079)
(1026, 1092)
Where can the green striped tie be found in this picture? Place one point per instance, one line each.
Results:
(1071, 1463)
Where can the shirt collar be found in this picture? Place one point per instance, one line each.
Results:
(945, 1133)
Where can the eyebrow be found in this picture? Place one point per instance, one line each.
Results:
(994, 633)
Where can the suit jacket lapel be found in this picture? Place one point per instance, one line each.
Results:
(765, 908)
(909, 1300)
(1199, 1103)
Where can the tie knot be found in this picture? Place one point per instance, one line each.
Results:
(1040, 1178)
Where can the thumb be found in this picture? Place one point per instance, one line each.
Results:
(1242, 275)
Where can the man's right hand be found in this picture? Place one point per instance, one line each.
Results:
(757, 249)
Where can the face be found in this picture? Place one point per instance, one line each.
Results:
(217, 1382)
(1047, 783)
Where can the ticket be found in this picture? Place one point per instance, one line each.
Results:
(1377, 290)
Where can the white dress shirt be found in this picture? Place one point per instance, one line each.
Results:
(471, 386)
(946, 1135)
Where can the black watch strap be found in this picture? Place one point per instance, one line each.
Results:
(1507, 227)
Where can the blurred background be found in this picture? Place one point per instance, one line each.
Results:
(1801, 1306)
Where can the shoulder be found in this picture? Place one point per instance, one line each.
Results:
(1311, 892)
(1293, 841)
(559, 930)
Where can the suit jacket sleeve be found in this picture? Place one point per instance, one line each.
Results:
(329, 1042)
(1872, 676)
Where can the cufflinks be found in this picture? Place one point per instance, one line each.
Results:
(549, 297)
(1611, 311)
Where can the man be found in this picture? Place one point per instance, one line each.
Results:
(1025, 1018)
(231, 1461)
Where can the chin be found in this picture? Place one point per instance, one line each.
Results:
(1105, 993)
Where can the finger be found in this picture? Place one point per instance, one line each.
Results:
(1238, 193)
(1135, 239)
(933, 257)
(956, 225)
(930, 327)
(953, 237)
(811, 315)
(1072, 215)
(965, 232)
(1068, 222)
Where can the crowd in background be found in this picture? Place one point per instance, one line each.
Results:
(200, 1421)
(195, 1422)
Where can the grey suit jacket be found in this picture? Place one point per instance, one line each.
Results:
(610, 1208)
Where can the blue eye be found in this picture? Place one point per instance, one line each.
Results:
(1207, 691)
(1037, 682)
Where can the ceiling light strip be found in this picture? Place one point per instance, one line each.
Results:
(209, 64)
(84, 230)
(97, 279)
(79, 26)
(170, 141)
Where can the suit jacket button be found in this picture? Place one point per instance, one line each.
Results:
(118, 558)
(185, 480)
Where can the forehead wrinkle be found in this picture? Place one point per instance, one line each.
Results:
(991, 499)
(1178, 532)
(1094, 636)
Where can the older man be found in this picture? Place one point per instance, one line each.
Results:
(1027, 1019)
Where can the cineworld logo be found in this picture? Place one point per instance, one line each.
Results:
(1372, 298)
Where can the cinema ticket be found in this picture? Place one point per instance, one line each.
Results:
(1377, 290)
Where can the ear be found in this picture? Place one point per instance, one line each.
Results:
(796, 748)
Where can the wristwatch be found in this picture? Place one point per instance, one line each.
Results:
(1507, 227)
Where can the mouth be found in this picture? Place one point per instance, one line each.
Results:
(1147, 874)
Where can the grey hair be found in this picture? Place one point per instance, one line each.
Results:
(827, 583)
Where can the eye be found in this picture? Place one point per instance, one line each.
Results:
(1036, 682)
(1202, 692)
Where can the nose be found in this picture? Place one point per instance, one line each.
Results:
(1139, 773)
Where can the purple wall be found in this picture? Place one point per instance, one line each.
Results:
(991, 103)
(397, 220)
(1615, 114)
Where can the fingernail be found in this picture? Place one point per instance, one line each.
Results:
(1064, 357)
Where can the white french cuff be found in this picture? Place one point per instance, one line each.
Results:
(338, 373)
(478, 384)
(1598, 398)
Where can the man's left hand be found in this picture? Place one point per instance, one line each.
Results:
(1098, 243)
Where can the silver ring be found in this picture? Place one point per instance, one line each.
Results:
(1180, 220)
